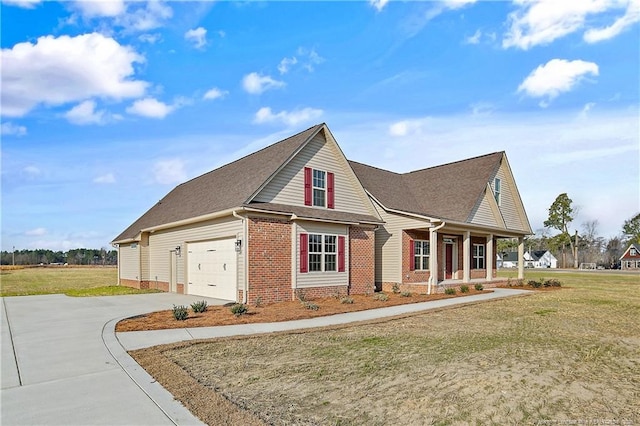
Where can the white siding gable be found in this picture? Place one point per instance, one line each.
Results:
(511, 205)
(322, 153)
(487, 212)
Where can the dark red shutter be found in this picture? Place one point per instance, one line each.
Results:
(340, 254)
(304, 253)
(412, 256)
(330, 196)
(307, 186)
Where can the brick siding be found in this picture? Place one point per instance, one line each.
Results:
(269, 258)
(362, 274)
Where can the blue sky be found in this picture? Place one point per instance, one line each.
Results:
(106, 106)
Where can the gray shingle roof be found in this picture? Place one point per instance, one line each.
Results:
(226, 187)
(449, 191)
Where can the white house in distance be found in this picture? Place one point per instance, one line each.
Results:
(630, 259)
(532, 259)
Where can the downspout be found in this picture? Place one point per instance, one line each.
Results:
(434, 265)
(245, 266)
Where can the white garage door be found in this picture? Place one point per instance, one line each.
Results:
(212, 269)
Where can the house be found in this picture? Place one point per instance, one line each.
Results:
(509, 259)
(540, 259)
(630, 259)
(297, 218)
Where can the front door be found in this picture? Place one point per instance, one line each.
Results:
(448, 263)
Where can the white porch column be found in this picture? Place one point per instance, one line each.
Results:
(433, 259)
(466, 257)
(490, 257)
(521, 258)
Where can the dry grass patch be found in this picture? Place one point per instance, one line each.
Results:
(568, 355)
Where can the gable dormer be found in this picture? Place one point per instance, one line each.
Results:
(317, 176)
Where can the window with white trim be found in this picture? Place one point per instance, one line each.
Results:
(421, 252)
(478, 257)
(323, 253)
(497, 189)
(319, 188)
(632, 251)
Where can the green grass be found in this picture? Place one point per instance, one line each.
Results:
(68, 280)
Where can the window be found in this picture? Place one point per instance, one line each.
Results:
(421, 251)
(318, 188)
(497, 189)
(632, 252)
(321, 253)
(478, 257)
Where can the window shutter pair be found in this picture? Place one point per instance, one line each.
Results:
(308, 188)
(304, 253)
(412, 256)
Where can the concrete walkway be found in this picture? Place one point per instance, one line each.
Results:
(63, 363)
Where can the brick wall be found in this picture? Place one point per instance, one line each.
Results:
(361, 260)
(409, 276)
(269, 258)
(311, 293)
(130, 283)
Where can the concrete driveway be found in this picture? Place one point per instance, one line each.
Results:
(57, 369)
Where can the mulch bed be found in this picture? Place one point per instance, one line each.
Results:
(276, 312)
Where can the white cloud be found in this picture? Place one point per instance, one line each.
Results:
(555, 77)
(197, 36)
(255, 83)
(584, 114)
(11, 129)
(85, 113)
(151, 108)
(94, 9)
(293, 118)
(405, 127)
(56, 71)
(32, 171)
(150, 38)
(36, 232)
(541, 22)
(168, 172)
(107, 178)
(475, 38)
(631, 16)
(152, 15)
(310, 58)
(457, 4)
(286, 63)
(26, 4)
(378, 4)
(215, 93)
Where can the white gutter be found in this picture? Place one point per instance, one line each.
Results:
(245, 266)
(433, 241)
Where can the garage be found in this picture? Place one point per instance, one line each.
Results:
(212, 269)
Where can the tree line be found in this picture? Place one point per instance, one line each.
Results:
(584, 246)
(80, 256)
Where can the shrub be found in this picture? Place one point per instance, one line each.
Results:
(311, 306)
(381, 297)
(552, 283)
(405, 294)
(464, 288)
(395, 288)
(238, 309)
(479, 287)
(346, 300)
(180, 313)
(200, 306)
(450, 290)
(536, 284)
(301, 295)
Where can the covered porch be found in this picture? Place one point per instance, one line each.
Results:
(458, 253)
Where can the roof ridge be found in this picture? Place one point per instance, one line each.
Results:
(374, 167)
(249, 155)
(454, 162)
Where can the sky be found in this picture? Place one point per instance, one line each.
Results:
(107, 106)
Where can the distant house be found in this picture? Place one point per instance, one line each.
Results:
(630, 260)
(540, 259)
(298, 218)
(508, 259)
(532, 259)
